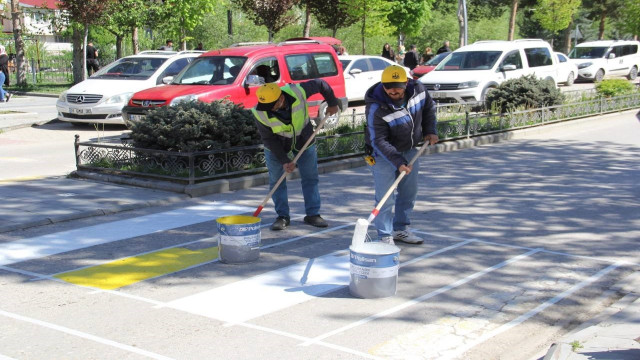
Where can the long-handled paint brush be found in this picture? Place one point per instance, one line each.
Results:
(295, 159)
(362, 225)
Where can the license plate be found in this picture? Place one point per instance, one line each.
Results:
(436, 95)
(79, 111)
(135, 117)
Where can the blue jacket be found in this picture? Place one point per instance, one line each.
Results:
(392, 130)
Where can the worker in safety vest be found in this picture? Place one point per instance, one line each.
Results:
(282, 118)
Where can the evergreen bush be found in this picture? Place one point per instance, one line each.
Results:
(526, 92)
(196, 126)
(614, 87)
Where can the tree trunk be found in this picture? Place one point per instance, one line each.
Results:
(364, 23)
(307, 22)
(512, 19)
(603, 18)
(119, 41)
(461, 23)
(567, 38)
(21, 66)
(84, 52)
(135, 42)
(78, 70)
(229, 23)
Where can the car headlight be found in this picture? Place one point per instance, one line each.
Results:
(120, 98)
(63, 97)
(180, 99)
(468, 84)
(584, 65)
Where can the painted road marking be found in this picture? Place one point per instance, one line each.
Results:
(133, 349)
(51, 244)
(276, 290)
(127, 271)
(422, 298)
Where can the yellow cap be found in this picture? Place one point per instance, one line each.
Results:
(395, 75)
(268, 93)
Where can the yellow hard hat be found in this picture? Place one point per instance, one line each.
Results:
(394, 76)
(267, 95)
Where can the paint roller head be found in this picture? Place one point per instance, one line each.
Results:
(360, 232)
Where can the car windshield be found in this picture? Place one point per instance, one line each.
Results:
(211, 70)
(591, 52)
(436, 59)
(137, 68)
(469, 60)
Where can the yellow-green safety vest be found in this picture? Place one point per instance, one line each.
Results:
(299, 114)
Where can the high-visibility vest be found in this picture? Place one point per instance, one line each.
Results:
(299, 114)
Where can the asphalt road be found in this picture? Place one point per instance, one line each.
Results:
(524, 240)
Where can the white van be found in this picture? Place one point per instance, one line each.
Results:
(606, 58)
(471, 71)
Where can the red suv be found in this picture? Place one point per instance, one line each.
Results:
(238, 71)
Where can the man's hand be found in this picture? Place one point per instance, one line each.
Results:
(289, 167)
(332, 110)
(406, 168)
(431, 138)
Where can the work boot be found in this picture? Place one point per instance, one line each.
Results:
(316, 220)
(406, 236)
(387, 240)
(281, 223)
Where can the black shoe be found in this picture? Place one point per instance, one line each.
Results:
(9, 97)
(316, 221)
(281, 223)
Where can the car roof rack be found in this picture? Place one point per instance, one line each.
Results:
(157, 52)
(192, 52)
(250, 43)
(294, 42)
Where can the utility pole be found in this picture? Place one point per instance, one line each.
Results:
(17, 36)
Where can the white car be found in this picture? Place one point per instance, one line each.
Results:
(606, 58)
(470, 72)
(363, 71)
(101, 97)
(567, 70)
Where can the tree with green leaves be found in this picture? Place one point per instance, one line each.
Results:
(409, 17)
(556, 15)
(273, 14)
(630, 18)
(81, 14)
(182, 16)
(373, 17)
(331, 15)
(124, 17)
(601, 10)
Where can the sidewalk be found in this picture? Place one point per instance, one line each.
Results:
(614, 334)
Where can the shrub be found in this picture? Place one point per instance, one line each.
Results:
(614, 87)
(526, 92)
(196, 126)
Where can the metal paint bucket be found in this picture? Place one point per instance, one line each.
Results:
(239, 240)
(374, 270)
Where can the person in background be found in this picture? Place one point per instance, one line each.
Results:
(342, 50)
(199, 47)
(168, 46)
(426, 55)
(93, 64)
(400, 114)
(387, 52)
(444, 48)
(411, 58)
(400, 54)
(4, 74)
(284, 126)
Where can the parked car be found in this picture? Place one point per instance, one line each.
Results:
(567, 70)
(100, 98)
(428, 65)
(236, 73)
(470, 72)
(606, 58)
(361, 72)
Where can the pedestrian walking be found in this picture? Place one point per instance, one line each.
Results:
(93, 64)
(400, 114)
(444, 48)
(411, 58)
(387, 52)
(284, 126)
(4, 74)
(168, 46)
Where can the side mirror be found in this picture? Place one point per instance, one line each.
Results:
(612, 56)
(167, 79)
(355, 71)
(509, 67)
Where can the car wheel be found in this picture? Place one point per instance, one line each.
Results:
(485, 92)
(599, 76)
(571, 78)
(332, 121)
(633, 74)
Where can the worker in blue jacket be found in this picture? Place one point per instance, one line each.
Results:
(400, 114)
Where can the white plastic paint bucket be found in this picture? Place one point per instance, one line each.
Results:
(374, 270)
(239, 240)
